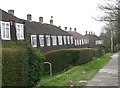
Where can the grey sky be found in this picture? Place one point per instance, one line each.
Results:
(70, 13)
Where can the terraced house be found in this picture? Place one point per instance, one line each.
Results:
(44, 36)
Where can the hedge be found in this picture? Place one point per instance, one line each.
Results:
(63, 59)
(22, 65)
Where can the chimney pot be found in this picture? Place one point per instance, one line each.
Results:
(89, 32)
(59, 26)
(65, 28)
(41, 19)
(70, 29)
(86, 32)
(51, 21)
(11, 12)
(29, 17)
(75, 29)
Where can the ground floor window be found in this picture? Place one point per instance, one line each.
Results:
(48, 40)
(71, 39)
(68, 39)
(5, 30)
(54, 40)
(60, 40)
(64, 37)
(34, 40)
(41, 39)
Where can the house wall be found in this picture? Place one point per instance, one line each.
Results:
(0, 20)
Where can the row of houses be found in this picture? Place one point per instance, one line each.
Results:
(44, 36)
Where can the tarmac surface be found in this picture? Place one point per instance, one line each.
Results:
(108, 75)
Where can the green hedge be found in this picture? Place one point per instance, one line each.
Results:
(63, 59)
(22, 65)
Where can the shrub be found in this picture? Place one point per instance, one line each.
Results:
(22, 66)
(62, 59)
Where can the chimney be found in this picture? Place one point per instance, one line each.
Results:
(29, 17)
(11, 12)
(65, 28)
(75, 29)
(89, 32)
(51, 21)
(70, 29)
(86, 32)
(59, 26)
(41, 19)
(94, 33)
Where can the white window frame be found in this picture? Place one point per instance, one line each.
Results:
(2, 30)
(60, 42)
(71, 39)
(65, 42)
(68, 39)
(21, 33)
(80, 41)
(54, 40)
(75, 42)
(48, 40)
(41, 40)
(35, 41)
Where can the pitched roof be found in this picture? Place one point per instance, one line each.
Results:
(75, 34)
(91, 37)
(35, 27)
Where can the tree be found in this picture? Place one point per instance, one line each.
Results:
(111, 31)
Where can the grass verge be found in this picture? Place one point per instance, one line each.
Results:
(77, 76)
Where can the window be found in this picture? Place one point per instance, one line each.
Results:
(60, 40)
(75, 42)
(41, 39)
(20, 31)
(5, 30)
(68, 39)
(80, 41)
(34, 40)
(71, 39)
(48, 40)
(64, 37)
(54, 40)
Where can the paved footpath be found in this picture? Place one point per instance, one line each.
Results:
(108, 75)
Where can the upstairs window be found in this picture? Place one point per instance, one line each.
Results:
(34, 40)
(41, 39)
(71, 39)
(54, 40)
(64, 37)
(48, 40)
(5, 30)
(68, 39)
(20, 31)
(60, 40)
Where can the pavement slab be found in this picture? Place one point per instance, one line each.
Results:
(108, 75)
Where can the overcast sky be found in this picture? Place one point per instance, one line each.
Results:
(70, 13)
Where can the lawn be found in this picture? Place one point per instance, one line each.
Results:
(77, 75)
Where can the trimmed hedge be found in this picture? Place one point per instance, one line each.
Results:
(62, 59)
(22, 65)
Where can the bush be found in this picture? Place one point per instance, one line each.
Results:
(21, 65)
(62, 59)
(35, 66)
